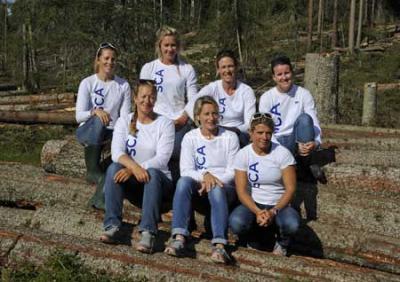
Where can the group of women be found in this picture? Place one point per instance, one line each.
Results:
(215, 173)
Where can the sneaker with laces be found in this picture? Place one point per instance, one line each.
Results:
(279, 250)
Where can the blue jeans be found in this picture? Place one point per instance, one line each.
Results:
(243, 220)
(93, 132)
(219, 199)
(149, 196)
(303, 132)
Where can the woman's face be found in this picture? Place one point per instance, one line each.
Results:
(106, 62)
(261, 136)
(283, 77)
(208, 117)
(169, 49)
(227, 69)
(145, 99)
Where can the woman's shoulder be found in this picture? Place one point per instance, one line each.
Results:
(89, 79)
(245, 89)
(278, 149)
(121, 81)
(164, 121)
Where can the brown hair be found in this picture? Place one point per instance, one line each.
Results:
(198, 106)
(226, 53)
(142, 83)
(262, 118)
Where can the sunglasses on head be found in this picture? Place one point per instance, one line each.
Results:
(258, 116)
(103, 46)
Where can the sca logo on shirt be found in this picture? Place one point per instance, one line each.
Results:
(200, 159)
(253, 175)
(130, 145)
(159, 79)
(276, 112)
(98, 98)
(222, 107)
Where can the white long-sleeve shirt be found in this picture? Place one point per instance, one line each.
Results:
(285, 108)
(173, 83)
(113, 96)
(234, 110)
(151, 147)
(264, 173)
(200, 155)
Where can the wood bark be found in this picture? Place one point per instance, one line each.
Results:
(35, 99)
(322, 79)
(310, 25)
(5, 36)
(360, 22)
(38, 117)
(36, 107)
(352, 25)
(369, 104)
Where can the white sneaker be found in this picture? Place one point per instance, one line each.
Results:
(279, 250)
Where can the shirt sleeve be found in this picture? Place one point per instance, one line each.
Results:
(206, 90)
(249, 109)
(191, 83)
(287, 158)
(126, 102)
(309, 108)
(165, 146)
(264, 104)
(118, 143)
(233, 148)
(83, 103)
(145, 72)
(187, 162)
(240, 160)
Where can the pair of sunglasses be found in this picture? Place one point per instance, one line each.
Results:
(258, 116)
(103, 46)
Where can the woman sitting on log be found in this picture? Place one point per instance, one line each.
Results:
(296, 124)
(269, 169)
(236, 100)
(206, 179)
(102, 98)
(176, 83)
(141, 148)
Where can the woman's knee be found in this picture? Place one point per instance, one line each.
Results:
(305, 119)
(217, 195)
(238, 224)
(289, 222)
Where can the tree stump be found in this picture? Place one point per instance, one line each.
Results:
(321, 78)
(369, 104)
(66, 157)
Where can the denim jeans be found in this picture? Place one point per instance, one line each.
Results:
(303, 132)
(93, 132)
(243, 220)
(219, 199)
(149, 196)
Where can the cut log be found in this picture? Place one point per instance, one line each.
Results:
(387, 86)
(38, 117)
(322, 80)
(66, 157)
(35, 99)
(37, 107)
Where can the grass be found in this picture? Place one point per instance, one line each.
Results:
(23, 144)
(59, 267)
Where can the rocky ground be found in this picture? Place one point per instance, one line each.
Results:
(350, 230)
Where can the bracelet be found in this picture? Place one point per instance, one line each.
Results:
(274, 211)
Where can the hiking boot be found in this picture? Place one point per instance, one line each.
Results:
(279, 250)
(318, 173)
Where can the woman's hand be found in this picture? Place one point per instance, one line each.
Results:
(122, 175)
(140, 174)
(264, 217)
(103, 116)
(181, 121)
(209, 182)
(306, 148)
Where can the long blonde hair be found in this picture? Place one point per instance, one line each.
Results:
(142, 83)
(163, 32)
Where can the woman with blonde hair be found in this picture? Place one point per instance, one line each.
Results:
(176, 82)
(141, 148)
(102, 98)
(206, 180)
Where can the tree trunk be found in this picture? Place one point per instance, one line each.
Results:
(38, 117)
(372, 22)
(369, 104)
(192, 11)
(321, 78)
(335, 24)
(5, 36)
(320, 23)
(161, 13)
(352, 25)
(310, 25)
(36, 99)
(360, 21)
(32, 61)
(25, 82)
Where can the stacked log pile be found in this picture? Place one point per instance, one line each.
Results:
(40, 108)
(353, 235)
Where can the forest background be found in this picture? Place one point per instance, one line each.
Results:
(50, 44)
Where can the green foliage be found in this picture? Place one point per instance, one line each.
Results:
(24, 143)
(61, 267)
